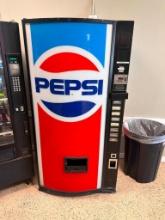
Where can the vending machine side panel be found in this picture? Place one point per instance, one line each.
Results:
(117, 94)
(16, 164)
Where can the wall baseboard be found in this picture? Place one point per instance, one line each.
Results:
(161, 120)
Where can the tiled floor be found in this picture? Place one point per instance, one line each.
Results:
(131, 201)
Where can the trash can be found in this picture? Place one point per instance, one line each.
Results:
(144, 144)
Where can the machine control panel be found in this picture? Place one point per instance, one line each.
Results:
(115, 122)
(122, 57)
(14, 70)
(15, 81)
(16, 84)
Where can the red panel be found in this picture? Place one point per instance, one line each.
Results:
(67, 61)
(69, 139)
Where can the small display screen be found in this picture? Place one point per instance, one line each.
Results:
(13, 60)
(14, 69)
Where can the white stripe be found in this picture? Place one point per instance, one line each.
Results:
(35, 109)
(122, 62)
(103, 121)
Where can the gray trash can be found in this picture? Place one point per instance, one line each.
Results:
(144, 144)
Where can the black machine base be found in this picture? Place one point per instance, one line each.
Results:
(60, 193)
(16, 171)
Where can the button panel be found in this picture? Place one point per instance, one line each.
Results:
(15, 74)
(16, 84)
(115, 122)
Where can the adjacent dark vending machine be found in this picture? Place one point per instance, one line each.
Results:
(15, 147)
(78, 70)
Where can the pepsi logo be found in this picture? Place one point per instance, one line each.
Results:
(69, 83)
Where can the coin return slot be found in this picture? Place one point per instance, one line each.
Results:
(115, 119)
(115, 113)
(112, 164)
(76, 165)
(116, 108)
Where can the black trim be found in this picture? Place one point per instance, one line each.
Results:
(118, 96)
(61, 193)
(88, 20)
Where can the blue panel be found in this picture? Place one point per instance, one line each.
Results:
(69, 109)
(88, 36)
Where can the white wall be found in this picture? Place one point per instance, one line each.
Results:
(147, 76)
(147, 72)
(18, 9)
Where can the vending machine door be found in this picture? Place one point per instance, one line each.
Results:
(69, 62)
(16, 164)
(6, 130)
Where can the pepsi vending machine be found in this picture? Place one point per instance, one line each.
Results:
(78, 70)
(16, 164)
